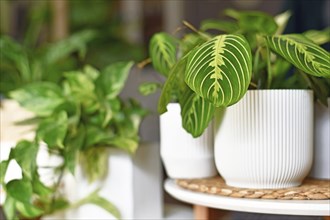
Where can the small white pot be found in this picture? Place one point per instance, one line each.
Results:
(133, 184)
(321, 162)
(266, 139)
(184, 156)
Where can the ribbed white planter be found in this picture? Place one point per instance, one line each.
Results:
(184, 156)
(321, 162)
(266, 139)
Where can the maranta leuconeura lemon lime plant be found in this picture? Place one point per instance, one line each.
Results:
(205, 71)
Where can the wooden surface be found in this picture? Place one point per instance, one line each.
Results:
(311, 189)
(269, 206)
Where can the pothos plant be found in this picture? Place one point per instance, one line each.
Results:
(78, 120)
(23, 63)
(204, 71)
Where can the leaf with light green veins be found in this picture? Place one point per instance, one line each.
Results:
(162, 50)
(42, 98)
(220, 69)
(319, 37)
(173, 85)
(302, 53)
(25, 153)
(53, 130)
(196, 113)
(112, 79)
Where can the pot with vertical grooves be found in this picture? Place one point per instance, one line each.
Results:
(266, 139)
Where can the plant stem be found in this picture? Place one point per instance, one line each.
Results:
(57, 185)
(191, 27)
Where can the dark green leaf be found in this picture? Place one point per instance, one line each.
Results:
(112, 79)
(20, 190)
(11, 50)
(254, 21)
(95, 135)
(40, 188)
(76, 42)
(162, 51)
(25, 154)
(225, 26)
(42, 98)
(53, 130)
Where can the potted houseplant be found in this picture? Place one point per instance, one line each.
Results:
(186, 144)
(78, 121)
(218, 71)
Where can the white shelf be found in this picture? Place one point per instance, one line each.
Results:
(283, 207)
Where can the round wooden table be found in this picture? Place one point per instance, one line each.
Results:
(282, 207)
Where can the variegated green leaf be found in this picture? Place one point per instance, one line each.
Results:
(220, 69)
(162, 51)
(196, 112)
(173, 85)
(302, 53)
(318, 37)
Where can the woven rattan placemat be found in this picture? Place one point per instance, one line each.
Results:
(311, 189)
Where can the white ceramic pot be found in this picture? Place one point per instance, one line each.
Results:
(321, 162)
(266, 139)
(184, 156)
(133, 184)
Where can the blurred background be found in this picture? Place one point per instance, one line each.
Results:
(122, 29)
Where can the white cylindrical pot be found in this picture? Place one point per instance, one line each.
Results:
(321, 162)
(184, 156)
(266, 139)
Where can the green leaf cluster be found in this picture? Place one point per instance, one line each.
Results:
(22, 64)
(78, 120)
(206, 71)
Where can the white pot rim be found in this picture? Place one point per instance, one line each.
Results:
(279, 90)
